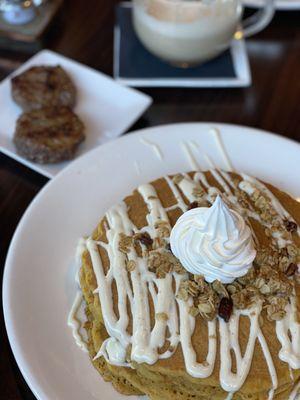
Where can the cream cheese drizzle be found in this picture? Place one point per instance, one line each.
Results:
(187, 326)
(220, 145)
(137, 167)
(269, 362)
(290, 347)
(229, 396)
(229, 340)
(190, 157)
(295, 395)
(75, 324)
(291, 374)
(156, 149)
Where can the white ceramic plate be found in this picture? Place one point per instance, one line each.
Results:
(279, 4)
(106, 108)
(39, 273)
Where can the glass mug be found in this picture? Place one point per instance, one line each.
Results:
(189, 32)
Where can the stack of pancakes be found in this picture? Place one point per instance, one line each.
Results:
(168, 378)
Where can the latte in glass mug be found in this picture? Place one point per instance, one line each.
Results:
(187, 32)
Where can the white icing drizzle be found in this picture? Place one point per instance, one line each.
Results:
(194, 145)
(271, 394)
(75, 323)
(295, 394)
(200, 177)
(191, 159)
(290, 348)
(229, 339)
(187, 186)
(156, 149)
(187, 326)
(220, 145)
(81, 247)
(218, 176)
(180, 202)
(137, 167)
(229, 396)
(291, 374)
(269, 362)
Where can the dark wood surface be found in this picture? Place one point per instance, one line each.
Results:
(84, 31)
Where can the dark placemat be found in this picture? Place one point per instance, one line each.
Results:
(137, 62)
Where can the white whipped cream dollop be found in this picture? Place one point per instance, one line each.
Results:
(214, 242)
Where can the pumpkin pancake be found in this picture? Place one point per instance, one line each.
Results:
(155, 328)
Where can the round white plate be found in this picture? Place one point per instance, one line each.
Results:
(279, 4)
(39, 273)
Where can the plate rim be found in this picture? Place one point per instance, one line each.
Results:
(18, 352)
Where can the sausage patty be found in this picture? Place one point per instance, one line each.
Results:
(43, 86)
(48, 135)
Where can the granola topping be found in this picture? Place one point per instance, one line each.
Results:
(162, 262)
(163, 229)
(130, 265)
(125, 243)
(161, 316)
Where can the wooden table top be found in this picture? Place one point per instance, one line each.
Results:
(85, 33)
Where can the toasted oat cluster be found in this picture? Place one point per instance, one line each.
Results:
(162, 262)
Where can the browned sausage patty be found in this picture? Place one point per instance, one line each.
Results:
(48, 135)
(43, 86)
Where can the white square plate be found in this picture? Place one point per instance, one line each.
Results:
(106, 108)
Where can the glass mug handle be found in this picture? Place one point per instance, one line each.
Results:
(258, 21)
